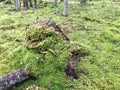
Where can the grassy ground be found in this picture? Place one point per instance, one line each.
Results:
(93, 26)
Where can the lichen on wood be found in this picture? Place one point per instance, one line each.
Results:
(13, 78)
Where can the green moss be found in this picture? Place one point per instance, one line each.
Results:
(41, 38)
(5, 21)
(92, 28)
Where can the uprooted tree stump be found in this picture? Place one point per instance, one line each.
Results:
(13, 78)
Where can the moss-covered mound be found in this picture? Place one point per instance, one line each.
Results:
(47, 55)
(42, 39)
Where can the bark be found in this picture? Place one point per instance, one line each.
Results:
(13, 78)
(25, 4)
(65, 12)
(17, 5)
(55, 2)
(30, 1)
(83, 1)
(2, 0)
(35, 2)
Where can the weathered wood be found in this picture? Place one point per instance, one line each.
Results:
(65, 11)
(13, 78)
(25, 4)
(55, 2)
(35, 2)
(17, 5)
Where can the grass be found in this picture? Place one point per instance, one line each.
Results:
(93, 27)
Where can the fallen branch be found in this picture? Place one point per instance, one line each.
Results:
(13, 78)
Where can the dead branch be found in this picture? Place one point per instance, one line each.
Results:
(13, 78)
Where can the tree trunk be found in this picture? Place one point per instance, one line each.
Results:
(83, 1)
(65, 12)
(13, 78)
(35, 2)
(55, 2)
(17, 6)
(2, 0)
(30, 1)
(25, 4)
(61, 0)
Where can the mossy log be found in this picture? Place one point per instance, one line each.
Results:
(13, 78)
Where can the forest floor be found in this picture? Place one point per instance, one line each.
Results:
(92, 27)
